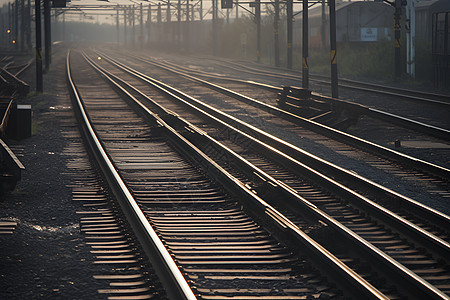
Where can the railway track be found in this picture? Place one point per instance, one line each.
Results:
(190, 212)
(400, 114)
(249, 169)
(381, 162)
(319, 107)
(411, 95)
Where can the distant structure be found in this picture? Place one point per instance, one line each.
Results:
(357, 22)
(424, 17)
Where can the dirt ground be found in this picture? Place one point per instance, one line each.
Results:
(46, 256)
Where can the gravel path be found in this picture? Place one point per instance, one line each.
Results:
(46, 257)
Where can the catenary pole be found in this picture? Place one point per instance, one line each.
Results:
(48, 35)
(305, 39)
(290, 17)
(333, 53)
(276, 33)
(39, 81)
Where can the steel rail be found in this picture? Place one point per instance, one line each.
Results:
(433, 216)
(415, 93)
(442, 247)
(325, 130)
(172, 279)
(25, 67)
(22, 87)
(417, 284)
(256, 205)
(373, 88)
(404, 122)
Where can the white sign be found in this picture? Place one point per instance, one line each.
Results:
(369, 34)
(243, 39)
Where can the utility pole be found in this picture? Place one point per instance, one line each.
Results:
(10, 23)
(276, 33)
(125, 20)
(290, 17)
(149, 22)
(323, 27)
(39, 81)
(133, 20)
(397, 36)
(141, 32)
(2, 28)
(16, 24)
(117, 24)
(214, 24)
(333, 54)
(168, 19)
(28, 12)
(22, 25)
(179, 23)
(258, 29)
(47, 32)
(188, 27)
(159, 20)
(411, 38)
(305, 46)
(64, 26)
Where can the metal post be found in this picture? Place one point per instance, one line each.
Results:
(237, 9)
(276, 33)
(47, 32)
(188, 27)
(149, 22)
(56, 25)
(22, 25)
(168, 15)
(201, 10)
(188, 12)
(64, 26)
(333, 54)
(445, 76)
(178, 31)
(125, 19)
(228, 16)
(117, 25)
(39, 81)
(141, 32)
(2, 28)
(159, 20)
(397, 36)
(258, 29)
(290, 17)
(169, 21)
(133, 38)
(410, 38)
(323, 27)
(16, 24)
(28, 25)
(214, 24)
(305, 47)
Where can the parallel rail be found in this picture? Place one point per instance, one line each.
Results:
(175, 284)
(334, 103)
(439, 219)
(413, 95)
(322, 129)
(269, 215)
(261, 174)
